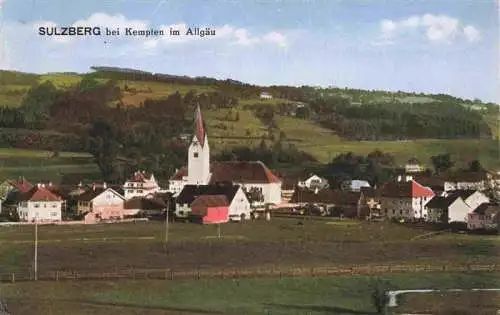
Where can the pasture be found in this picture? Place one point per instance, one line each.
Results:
(279, 243)
(314, 296)
(37, 165)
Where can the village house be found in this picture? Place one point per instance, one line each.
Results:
(354, 185)
(472, 198)
(39, 204)
(239, 206)
(8, 191)
(371, 198)
(411, 170)
(100, 203)
(148, 206)
(330, 202)
(313, 182)
(447, 209)
(266, 95)
(208, 209)
(140, 184)
(486, 216)
(465, 180)
(199, 171)
(405, 200)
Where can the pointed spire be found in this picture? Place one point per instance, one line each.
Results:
(199, 126)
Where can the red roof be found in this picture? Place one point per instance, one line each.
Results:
(199, 126)
(210, 201)
(410, 189)
(21, 185)
(180, 174)
(242, 172)
(39, 194)
(140, 177)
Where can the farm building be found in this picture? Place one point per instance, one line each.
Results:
(140, 184)
(239, 206)
(199, 171)
(486, 216)
(149, 206)
(447, 209)
(472, 198)
(405, 200)
(100, 203)
(331, 202)
(210, 209)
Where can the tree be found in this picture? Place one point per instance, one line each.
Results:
(475, 166)
(380, 299)
(442, 162)
(102, 144)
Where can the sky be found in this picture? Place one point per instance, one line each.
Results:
(429, 46)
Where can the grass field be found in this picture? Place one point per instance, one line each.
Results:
(314, 296)
(280, 243)
(41, 165)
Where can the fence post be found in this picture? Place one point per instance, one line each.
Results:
(171, 275)
(222, 274)
(57, 275)
(13, 278)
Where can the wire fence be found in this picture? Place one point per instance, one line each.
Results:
(240, 273)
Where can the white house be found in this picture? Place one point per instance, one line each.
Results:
(140, 184)
(239, 206)
(266, 95)
(447, 209)
(355, 185)
(486, 216)
(404, 200)
(313, 182)
(414, 166)
(199, 171)
(472, 198)
(39, 204)
(465, 180)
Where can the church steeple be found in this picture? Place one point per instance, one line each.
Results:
(199, 127)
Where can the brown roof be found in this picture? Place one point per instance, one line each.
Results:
(39, 193)
(405, 190)
(190, 192)
(21, 184)
(242, 172)
(333, 196)
(210, 201)
(370, 192)
(487, 208)
(236, 171)
(145, 203)
(140, 176)
(464, 176)
(439, 202)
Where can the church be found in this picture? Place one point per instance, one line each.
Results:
(199, 171)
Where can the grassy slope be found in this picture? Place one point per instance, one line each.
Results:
(306, 135)
(334, 295)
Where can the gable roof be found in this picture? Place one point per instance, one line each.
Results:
(486, 208)
(143, 203)
(38, 193)
(409, 189)
(20, 184)
(242, 172)
(93, 193)
(140, 176)
(190, 192)
(464, 176)
(333, 196)
(439, 202)
(464, 193)
(210, 201)
(183, 171)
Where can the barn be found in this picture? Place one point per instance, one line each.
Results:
(208, 209)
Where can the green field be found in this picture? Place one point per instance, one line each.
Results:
(314, 296)
(37, 165)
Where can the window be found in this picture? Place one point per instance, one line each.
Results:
(195, 154)
(54, 206)
(54, 214)
(139, 191)
(37, 205)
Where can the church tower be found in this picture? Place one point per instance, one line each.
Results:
(199, 153)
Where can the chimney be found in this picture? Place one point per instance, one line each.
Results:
(93, 186)
(316, 190)
(104, 185)
(50, 184)
(80, 184)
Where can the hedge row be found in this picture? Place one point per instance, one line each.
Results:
(40, 140)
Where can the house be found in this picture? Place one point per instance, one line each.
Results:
(472, 198)
(447, 209)
(354, 185)
(149, 206)
(39, 204)
(486, 216)
(371, 198)
(140, 184)
(210, 209)
(100, 203)
(239, 206)
(414, 166)
(313, 182)
(11, 187)
(465, 180)
(199, 171)
(405, 200)
(332, 202)
(266, 95)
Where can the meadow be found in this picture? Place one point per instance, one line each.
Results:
(314, 296)
(280, 243)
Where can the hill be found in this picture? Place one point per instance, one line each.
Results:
(59, 109)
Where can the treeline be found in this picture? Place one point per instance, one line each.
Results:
(388, 121)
